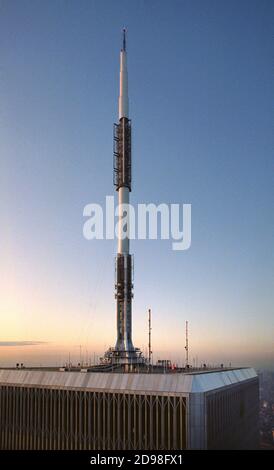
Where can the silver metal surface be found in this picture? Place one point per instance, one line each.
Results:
(74, 410)
(124, 353)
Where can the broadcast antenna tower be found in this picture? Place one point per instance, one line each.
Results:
(124, 353)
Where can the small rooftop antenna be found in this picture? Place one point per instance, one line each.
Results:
(149, 338)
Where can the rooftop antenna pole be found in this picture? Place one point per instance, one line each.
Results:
(149, 338)
(186, 346)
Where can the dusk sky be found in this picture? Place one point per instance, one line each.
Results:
(201, 104)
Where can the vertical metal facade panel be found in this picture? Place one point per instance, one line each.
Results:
(196, 421)
(232, 417)
(47, 418)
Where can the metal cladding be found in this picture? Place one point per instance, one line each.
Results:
(123, 277)
(124, 351)
(113, 411)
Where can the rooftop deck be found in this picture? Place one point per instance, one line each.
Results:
(175, 383)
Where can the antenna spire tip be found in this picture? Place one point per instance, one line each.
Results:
(124, 39)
